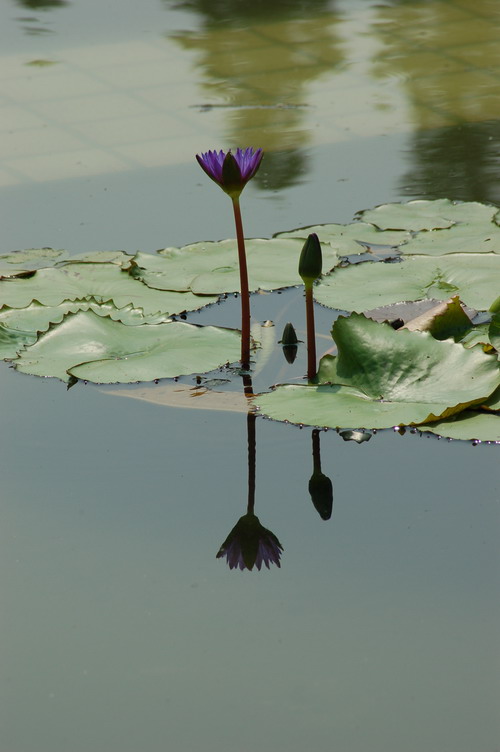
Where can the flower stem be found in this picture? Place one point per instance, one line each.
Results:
(244, 291)
(311, 333)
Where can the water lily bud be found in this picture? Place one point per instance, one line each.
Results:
(311, 260)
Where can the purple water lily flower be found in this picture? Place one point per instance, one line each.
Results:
(250, 544)
(231, 171)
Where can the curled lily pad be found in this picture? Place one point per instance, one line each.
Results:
(473, 277)
(101, 350)
(211, 268)
(383, 377)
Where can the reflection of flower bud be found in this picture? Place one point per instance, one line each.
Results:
(289, 343)
(249, 544)
(311, 259)
(231, 171)
(321, 490)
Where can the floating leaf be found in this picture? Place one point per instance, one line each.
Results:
(211, 268)
(101, 281)
(383, 377)
(427, 215)
(98, 349)
(474, 278)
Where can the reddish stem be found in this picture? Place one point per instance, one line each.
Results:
(244, 291)
(311, 333)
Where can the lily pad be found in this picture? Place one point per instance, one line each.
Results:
(12, 341)
(383, 377)
(211, 268)
(101, 350)
(101, 281)
(473, 277)
(427, 215)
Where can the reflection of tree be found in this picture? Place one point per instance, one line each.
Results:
(42, 4)
(447, 76)
(461, 162)
(260, 73)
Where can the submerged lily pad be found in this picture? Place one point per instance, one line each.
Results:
(211, 268)
(29, 260)
(383, 377)
(473, 277)
(427, 215)
(101, 350)
(101, 281)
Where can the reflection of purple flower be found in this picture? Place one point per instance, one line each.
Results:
(249, 544)
(231, 171)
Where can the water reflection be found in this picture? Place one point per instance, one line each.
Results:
(462, 162)
(320, 486)
(42, 4)
(261, 75)
(249, 543)
(446, 59)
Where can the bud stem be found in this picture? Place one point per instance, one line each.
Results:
(244, 291)
(311, 333)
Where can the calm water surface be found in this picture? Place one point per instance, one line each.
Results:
(120, 629)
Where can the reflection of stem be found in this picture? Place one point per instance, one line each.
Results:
(244, 291)
(251, 418)
(311, 333)
(316, 452)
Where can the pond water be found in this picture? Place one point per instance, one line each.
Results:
(120, 629)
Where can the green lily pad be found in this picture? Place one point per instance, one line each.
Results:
(427, 215)
(101, 350)
(211, 268)
(383, 377)
(102, 281)
(473, 277)
(347, 239)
